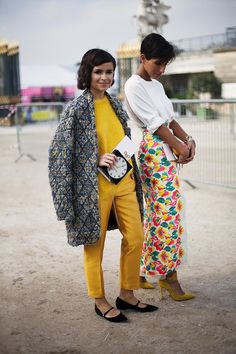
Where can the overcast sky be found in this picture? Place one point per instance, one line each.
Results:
(60, 31)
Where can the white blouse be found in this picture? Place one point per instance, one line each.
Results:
(147, 103)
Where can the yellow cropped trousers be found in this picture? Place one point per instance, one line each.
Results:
(122, 197)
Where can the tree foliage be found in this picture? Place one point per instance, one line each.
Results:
(206, 82)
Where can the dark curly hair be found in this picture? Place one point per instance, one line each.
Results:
(92, 58)
(154, 46)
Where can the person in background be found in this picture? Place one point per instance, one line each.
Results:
(148, 105)
(91, 126)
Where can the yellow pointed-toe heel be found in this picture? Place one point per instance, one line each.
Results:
(146, 285)
(164, 285)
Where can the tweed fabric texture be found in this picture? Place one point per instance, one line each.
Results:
(73, 160)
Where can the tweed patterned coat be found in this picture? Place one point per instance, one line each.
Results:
(73, 176)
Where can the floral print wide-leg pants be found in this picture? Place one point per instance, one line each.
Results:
(162, 250)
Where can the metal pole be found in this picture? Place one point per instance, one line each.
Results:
(232, 123)
(18, 137)
(18, 128)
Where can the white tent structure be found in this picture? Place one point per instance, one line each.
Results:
(47, 83)
(47, 76)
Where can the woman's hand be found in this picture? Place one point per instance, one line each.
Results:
(184, 154)
(191, 146)
(107, 160)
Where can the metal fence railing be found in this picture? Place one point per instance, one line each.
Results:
(210, 42)
(35, 125)
(212, 123)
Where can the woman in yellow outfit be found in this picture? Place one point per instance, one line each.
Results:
(91, 127)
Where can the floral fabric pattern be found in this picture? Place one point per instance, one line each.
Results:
(162, 250)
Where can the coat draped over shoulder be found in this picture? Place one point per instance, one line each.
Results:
(73, 161)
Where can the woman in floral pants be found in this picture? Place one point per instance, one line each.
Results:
(148, 105)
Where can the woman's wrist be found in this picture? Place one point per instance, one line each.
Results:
(189, 139)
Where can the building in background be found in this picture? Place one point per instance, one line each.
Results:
(205, 67)
(9, 73)
(150, 17)
(9, 80)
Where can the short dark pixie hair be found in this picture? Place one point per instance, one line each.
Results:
(92, 58)
(154, 46)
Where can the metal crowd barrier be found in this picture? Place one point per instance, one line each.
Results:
(212, 123)
(33, 119)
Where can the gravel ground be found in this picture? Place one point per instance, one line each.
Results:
(44, 305)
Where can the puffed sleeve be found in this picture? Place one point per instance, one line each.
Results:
(139, 106)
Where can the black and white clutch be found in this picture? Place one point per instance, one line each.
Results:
(118, 171)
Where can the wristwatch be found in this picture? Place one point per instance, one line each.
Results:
(189, 138)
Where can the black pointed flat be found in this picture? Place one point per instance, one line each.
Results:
(123, 305)
(118, 318)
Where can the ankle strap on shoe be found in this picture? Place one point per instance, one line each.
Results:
(105, 313)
